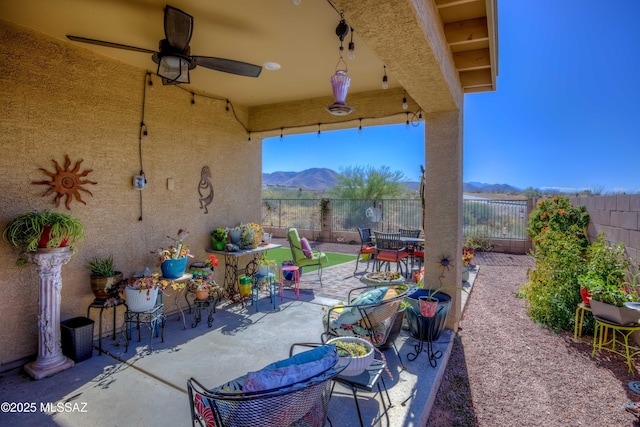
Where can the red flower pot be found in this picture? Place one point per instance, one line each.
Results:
(586, 296)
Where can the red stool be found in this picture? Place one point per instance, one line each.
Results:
(296, 280)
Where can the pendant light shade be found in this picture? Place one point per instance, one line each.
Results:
(340, 85)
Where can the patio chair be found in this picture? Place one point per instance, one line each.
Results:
(305, 257)
(415, 250)
(391, 250)
(370, 313)
(367, 247)
(293, 391)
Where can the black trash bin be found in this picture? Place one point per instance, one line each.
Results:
(77, 338)
(431, 326)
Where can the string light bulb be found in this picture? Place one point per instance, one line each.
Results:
(407, 120)
(318, 130)
(360, 127)
(405, 105)
(385, 80)
(351, 53)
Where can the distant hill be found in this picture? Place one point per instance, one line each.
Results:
(478, 187)
(309, 179)
(322, 179)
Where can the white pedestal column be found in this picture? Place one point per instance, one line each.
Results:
(50, 358)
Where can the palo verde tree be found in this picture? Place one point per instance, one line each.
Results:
(367, 182)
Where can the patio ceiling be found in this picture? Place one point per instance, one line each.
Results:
(398, 33)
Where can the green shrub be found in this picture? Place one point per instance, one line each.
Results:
(558, 214)
(553, 291)
(605, 274)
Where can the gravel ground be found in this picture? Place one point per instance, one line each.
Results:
(505, 370)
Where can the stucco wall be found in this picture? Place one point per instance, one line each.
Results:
(617, 216)
(61, 99)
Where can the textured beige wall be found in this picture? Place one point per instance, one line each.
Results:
(60, 99)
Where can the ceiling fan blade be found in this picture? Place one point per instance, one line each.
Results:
(109, 44)
(228, 66)
(178, 27)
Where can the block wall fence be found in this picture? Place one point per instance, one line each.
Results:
(616, 216)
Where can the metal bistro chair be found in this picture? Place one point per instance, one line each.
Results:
(367, 247)
(390, 250)
(302, 403)
(415, 250)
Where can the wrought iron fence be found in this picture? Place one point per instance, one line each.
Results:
(495, 219)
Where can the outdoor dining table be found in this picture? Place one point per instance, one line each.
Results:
(231, 261)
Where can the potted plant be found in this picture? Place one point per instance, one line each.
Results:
(103, 277)
(610, 281)
(266, 266)
(141, 292)
(234, 234)
(44, 229)
(173, 261)
(219, 238)
(358, 350)
(202, 287)
(467, 256)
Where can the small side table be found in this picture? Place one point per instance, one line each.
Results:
(370, 378)
(152, 318)
(257, 279)
(577, 329)
(102, 304)
(199, 305)
(295, 270)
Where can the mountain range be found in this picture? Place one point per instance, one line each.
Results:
(322, 179)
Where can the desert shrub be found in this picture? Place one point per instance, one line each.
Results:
(558, 214)
(553, 291)
(478, 243)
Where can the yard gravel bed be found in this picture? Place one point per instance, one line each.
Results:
(506, 370)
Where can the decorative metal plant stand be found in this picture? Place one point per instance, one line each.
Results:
(419, 348)
(200, 305)
(50, 359)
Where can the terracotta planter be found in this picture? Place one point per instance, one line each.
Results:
(202, 294)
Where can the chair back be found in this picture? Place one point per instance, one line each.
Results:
(388, 241)
(409, 233)
(374, 320)
(296, 247)
(365, 236)
(302, 403)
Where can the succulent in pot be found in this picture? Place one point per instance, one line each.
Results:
(103, 277)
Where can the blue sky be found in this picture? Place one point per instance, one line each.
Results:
(563, 115)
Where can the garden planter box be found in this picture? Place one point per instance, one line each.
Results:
(619, 315)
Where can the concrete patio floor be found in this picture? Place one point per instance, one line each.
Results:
(141, 388)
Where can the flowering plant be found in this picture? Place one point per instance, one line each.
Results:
(177, 250)
(203, 284)
(213, 262)
(467, 256)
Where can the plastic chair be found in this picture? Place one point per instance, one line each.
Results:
(367, 247)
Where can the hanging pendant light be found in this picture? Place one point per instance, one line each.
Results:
(340, 80)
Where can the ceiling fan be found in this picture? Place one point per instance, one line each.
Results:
(174, 54)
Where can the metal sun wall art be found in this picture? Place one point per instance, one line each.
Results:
(205, 189)
(66, 182)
